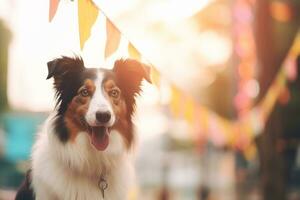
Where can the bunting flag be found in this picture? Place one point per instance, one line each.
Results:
(256, 120)
(155, 77)
(272, 95)
(53, 8)
(228, 131)
(87, 15)
(133, 52)
(189, 110)
(113, 37)
(295, 51)
(175, 104)
(250, 152)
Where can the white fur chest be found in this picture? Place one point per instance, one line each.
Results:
(72, 170)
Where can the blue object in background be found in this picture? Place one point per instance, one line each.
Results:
(20, 129)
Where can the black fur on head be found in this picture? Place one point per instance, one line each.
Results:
(69, 74)
(129, 74)
(66, 72)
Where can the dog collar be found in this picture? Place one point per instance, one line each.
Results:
(102, 184)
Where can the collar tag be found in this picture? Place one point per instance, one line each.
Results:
(103, 185)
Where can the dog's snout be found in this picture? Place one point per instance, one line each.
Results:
(103, 117)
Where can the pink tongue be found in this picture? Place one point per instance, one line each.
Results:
(100, 138)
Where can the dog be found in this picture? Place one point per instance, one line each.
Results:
(82, 151)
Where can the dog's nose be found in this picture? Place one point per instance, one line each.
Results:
(103, 117)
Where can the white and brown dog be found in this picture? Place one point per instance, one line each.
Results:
(81, 152)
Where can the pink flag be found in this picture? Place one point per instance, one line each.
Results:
(53, 8)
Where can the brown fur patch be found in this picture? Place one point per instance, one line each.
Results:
(120, 110)
(77, 109)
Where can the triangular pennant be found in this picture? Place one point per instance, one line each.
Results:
(133, 52)
(271, 97)
(295, 50)
(227, 130)
(87, 15)
(175, 103)
(113, 37)
(53, 8)
(189, 110)
(250, 152)
(244, 135)
(155, 77)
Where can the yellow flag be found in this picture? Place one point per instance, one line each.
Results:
(244, 135)
(113, 37)
(175, 101)
(87, 15)
(133, 52)
(227, 129)
(295, 50)
(189, 110)
(271, 97)
(236, 132)
(52, 9)
(155, 77)
(250, 152)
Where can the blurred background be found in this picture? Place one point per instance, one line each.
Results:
(220, 122)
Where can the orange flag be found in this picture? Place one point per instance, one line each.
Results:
(52, 9)
(87, 15)
(113, 37)
(133, 52)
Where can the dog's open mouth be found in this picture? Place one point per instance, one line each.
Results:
(99, 137)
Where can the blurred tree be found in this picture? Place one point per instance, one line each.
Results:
(276, 23)
(4, 42)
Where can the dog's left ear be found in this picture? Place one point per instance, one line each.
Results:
(130, 73)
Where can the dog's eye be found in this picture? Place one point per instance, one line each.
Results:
(84, 93)
(114, 93)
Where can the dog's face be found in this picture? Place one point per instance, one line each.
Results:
(96, 101)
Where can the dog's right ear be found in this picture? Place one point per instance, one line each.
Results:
(59, 67)
(51, 68)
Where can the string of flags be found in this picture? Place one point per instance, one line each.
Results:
(205, 124)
